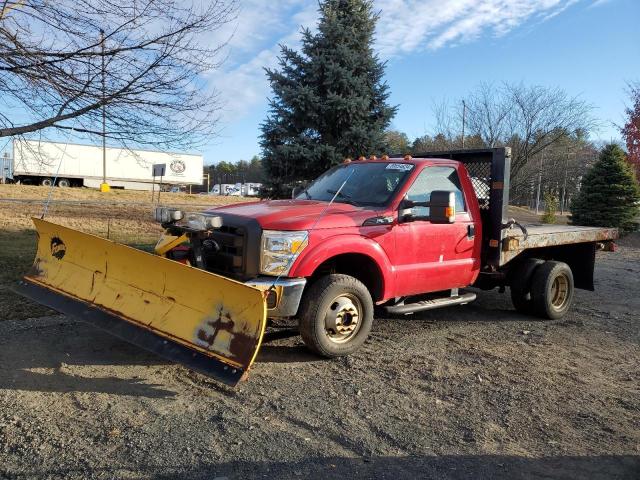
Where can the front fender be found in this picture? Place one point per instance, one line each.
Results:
(317, 254)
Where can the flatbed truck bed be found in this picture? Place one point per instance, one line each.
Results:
(535, 236)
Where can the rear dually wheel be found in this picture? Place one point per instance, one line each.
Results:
(552, 290)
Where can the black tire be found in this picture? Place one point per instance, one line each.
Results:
(64, 183)
(329, 297)
(46, 182)
(552, 290)
(520, 285)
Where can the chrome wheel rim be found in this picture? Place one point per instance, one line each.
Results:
(559, 292)
(343, 318)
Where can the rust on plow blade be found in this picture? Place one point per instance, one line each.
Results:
(209, 323)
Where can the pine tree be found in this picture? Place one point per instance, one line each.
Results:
(609, 195)
(330, 100)
(550, 208)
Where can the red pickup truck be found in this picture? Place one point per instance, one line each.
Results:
(403, 234)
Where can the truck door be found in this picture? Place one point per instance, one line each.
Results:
(432, 257)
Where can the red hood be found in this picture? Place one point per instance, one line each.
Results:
(300, 214)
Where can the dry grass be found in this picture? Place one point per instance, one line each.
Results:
(526, 215)
(130, 225)
(32, 192)
(17, 249)
(125, 218)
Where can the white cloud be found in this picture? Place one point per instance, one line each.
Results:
(598, 3)
(433, 24)
(405, 26)
(261, 27)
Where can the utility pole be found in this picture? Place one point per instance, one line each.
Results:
(464, 119)
(564, 183)
(104, 186)
(539, 184)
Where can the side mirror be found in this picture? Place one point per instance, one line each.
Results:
(297, 190)
(405, 212)
(442, 207)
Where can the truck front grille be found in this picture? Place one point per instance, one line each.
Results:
(230, 259)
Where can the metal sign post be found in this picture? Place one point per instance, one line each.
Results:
(158, 170)
(4, 164)
(104, 186)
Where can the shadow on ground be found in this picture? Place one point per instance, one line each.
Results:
(477, 467)
(37, 366)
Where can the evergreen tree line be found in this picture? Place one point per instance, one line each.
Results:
(243, 171)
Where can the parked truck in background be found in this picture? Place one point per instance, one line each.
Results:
(401, 234)
(248, 189)
(72, 165)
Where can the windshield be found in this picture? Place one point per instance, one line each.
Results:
(371, 184)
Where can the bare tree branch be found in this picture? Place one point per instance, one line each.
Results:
(156, 64)
(529, 119)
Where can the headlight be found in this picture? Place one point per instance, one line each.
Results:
(166, 215)
(199, 221)
(280, 249)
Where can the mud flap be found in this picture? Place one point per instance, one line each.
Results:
(209, 323)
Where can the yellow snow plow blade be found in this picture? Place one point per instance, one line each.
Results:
(209, 323)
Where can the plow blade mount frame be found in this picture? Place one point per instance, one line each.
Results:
(208, 323)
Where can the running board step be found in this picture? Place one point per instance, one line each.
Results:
(431, 304)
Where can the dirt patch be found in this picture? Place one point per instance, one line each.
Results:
(466, 392)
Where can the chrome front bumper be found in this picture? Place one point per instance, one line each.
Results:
(288, 293)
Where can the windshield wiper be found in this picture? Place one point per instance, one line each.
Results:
(307, 194)
(346, 198)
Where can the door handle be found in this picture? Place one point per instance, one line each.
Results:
(471, 231)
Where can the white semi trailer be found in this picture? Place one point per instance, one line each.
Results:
(67, 164)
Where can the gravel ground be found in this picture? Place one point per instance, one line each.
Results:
(467, 392)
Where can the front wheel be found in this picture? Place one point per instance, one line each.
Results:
(336, 315)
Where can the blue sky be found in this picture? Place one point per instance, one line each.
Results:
(438, 50)
(441, 50)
